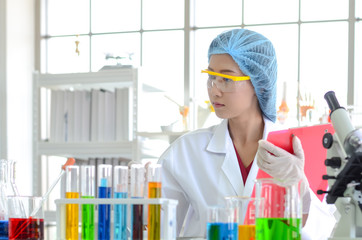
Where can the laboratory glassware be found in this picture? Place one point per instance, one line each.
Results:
(245, 207)
(120, 190)
(154, 211)
(104, 191)
(21, 224)
(11, 172)
(222, 223)
(72, 210)
(69, 162)
(87, 173)
(3, 201)
(137, 191)
(279, 214)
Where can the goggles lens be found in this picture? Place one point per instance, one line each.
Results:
(225, 83)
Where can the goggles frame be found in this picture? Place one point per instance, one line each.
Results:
(233, 78)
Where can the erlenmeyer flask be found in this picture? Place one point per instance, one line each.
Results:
(11, 183)
(3, 201)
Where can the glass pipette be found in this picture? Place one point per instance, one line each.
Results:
(69, 162)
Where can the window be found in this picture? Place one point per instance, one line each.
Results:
(311, 43)
(357, 111)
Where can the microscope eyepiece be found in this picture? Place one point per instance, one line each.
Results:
(332, 101)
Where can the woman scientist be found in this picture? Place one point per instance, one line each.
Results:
(206, 165)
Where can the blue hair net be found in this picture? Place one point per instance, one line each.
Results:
(256, 58)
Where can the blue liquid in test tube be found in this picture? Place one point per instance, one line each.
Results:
(120, 218)
(120, 190)
(104, 210)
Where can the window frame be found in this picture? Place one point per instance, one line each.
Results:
(189, 40)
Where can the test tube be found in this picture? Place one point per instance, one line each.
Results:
(87, 191)
(137, 187)
(120, 190)
(104, 191)
(154, 210)
(72, 210)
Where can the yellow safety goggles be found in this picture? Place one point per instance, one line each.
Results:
(223, 82)
(234, 78)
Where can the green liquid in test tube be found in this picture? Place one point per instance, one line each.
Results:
(87, 192)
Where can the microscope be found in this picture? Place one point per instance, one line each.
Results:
(344, 172)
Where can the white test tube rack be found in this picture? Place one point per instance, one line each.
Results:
(168, 208)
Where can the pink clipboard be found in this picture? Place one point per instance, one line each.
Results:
(311, 138)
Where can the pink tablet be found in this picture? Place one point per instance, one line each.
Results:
(314, 152)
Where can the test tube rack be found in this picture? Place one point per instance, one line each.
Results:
(168, 209)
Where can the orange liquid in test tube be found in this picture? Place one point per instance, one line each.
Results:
(72, 210)
(154, 210)
(72, 219)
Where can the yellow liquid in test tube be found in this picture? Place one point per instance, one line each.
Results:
(154, 212)
(72, 217)
(246, 232)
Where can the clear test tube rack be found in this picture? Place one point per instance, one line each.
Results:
(168, 208)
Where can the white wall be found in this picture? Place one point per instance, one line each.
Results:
(19, 68)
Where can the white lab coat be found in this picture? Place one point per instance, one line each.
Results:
(200, 168)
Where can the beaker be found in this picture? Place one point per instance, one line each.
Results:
(279, 214)
(21, 224)
(246, 207)
(222, 223)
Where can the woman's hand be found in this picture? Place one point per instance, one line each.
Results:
(286, 167)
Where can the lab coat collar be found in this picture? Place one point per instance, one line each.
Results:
(221, 143)
(220, 138)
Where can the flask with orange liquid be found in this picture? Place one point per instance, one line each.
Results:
(282, 113)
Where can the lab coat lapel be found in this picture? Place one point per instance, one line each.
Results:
(222, 143)
(231, 170)
(250, 181)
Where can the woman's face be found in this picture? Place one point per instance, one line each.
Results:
(231, 104)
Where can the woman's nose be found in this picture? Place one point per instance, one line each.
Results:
(214, 90)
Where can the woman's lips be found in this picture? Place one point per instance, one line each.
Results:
(218, 105)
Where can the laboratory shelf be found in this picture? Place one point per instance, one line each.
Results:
(167, 135)
(86, 149)
(102, 80)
